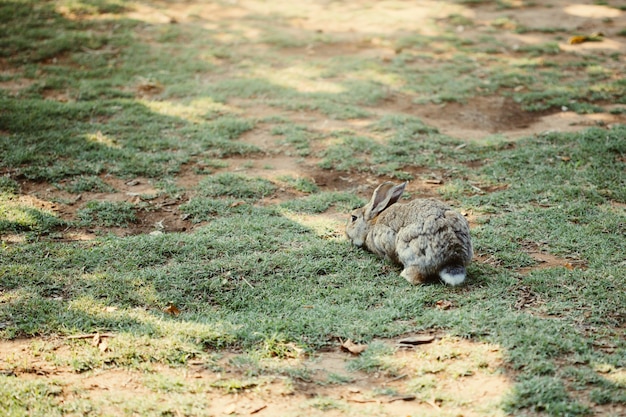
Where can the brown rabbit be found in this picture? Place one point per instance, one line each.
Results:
(425, 235)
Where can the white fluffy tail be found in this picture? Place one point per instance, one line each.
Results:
(453, 275)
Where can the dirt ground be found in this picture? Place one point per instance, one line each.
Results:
(481, 385)
(466, 376)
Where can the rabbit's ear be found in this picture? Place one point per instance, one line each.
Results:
(385, 195)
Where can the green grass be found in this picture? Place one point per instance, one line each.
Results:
(107, 214)
(20, 217)
(83, 184)
(235, 186)
(29, 398)
(103, 96)
(303, 185)
(408, 142)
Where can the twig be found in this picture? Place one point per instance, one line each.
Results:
(89, 336)
(256, 410)
(246, 281)
(357, 400)
(402, 398)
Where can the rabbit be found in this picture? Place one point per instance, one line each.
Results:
(426, 236)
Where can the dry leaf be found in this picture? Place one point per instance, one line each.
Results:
(443, 305)
(96, 339)
(355, 349)
(171, 309)
(149, 86)
(103, 346)
(574, 40)
(435, 181)
(402, 398)
(420, 339)
(565, 158)
(594, 37)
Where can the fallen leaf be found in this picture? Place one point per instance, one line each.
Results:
(149, 86)
(171, 309)
(420, 339)
(433, 403)
(443, 305)
(594, 37)
(402, 398)
(565, 158)
(574, 40)
(353, 348)
(436, 181)
(103, 346)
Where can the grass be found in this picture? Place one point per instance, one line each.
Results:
(83, 184)
(107, 214)
(90, 93)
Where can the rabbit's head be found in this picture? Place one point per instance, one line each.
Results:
(362, 219)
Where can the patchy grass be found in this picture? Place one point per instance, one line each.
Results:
(320, 202)
(107, 214)
(88, 92)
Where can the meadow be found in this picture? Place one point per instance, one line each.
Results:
(175, 180)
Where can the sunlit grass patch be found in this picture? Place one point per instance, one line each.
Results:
(24, 214)
(32, 397)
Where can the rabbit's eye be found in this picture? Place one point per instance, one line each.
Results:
(353, 218)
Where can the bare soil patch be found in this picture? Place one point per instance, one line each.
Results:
(447, 375)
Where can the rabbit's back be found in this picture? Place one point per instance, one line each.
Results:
(429, 235)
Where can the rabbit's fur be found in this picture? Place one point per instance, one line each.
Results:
(426, 236)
